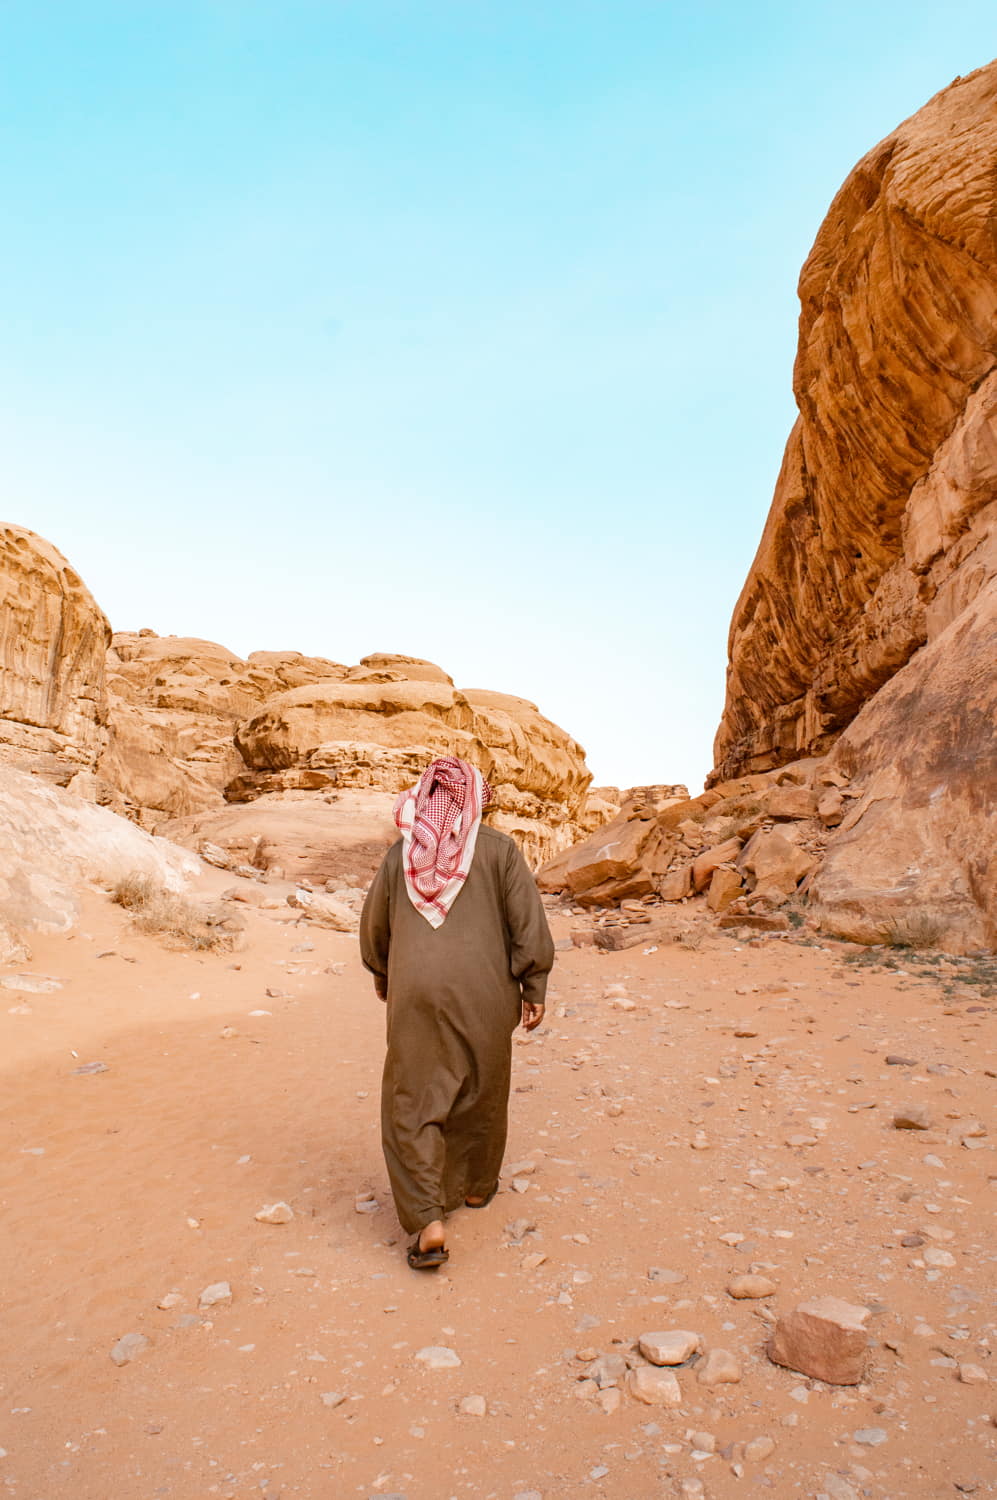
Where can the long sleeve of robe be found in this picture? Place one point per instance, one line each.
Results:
(454, 998)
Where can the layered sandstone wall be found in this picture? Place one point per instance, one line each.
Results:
(174, 706)
(380, 725)
(53, 641)
(181, 733)
(882, 526)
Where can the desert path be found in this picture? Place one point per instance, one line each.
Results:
(650, 1138)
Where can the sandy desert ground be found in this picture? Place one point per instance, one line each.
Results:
(739, 1116)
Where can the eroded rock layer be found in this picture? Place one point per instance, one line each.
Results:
(915, 861)
(180, 732)
(380, 725)
(882, 526)
(175, 705)
(53, 640)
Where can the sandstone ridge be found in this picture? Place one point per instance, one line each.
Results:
(882, 527)
(855, 779)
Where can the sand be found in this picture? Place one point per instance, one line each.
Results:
(655, 1136)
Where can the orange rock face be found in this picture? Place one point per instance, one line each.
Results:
(193, 727)
(882, 528)
(175, 704)
(915, 861)
(383, 722)
(53, 638)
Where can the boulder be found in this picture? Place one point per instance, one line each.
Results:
(53, 641)
(824, 1338)
(612, 854)
(711, 859)
(725, 887)
(787, 803)
(677, 884)
(323, 910)
(831, 808)
(774, 864)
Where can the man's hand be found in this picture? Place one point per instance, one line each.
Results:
(533, 1014)
(380, 987)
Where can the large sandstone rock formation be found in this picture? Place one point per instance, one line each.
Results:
(384, 721)
(916, 859)
(868, 622)
(291, 742)
(175, 704)
(295, 759)
(882, 526)
(53, 640)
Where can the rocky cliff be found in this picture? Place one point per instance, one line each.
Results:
(868, 623)
(882, 525)
(856, 763)
(53, 641)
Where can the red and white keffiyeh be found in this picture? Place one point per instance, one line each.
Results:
(439, 820)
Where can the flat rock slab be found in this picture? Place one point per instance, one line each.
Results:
(720, 1368)
(438, 1357)
(825, 1338)
(672, 1347)
(30, 984)
(654, 1387)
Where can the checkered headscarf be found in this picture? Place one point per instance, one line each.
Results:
(439, 820)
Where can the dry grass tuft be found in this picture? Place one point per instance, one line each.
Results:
(182, 922)
(917, 929)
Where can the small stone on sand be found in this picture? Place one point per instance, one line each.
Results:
(438, 1357)
(275, 1213)
(127, 1347)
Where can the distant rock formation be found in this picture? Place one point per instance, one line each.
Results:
(381, 724)
(290, 761)
(53, 640)
(882, 528)
(175, 705)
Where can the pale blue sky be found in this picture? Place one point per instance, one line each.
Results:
(463, 330)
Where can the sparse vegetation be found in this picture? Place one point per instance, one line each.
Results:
(917, 929)
(182, 922)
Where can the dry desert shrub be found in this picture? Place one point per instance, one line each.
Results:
(182, 922)
(916, 929)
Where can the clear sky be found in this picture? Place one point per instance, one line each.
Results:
(458, 329)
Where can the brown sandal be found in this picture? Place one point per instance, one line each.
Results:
(426, 1260)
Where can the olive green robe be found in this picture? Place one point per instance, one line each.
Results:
(455, 996)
